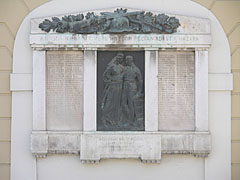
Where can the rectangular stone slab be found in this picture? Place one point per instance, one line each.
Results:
(106, 40)
(95, 146)
(64, 87)
(176, 91)
(52, 142)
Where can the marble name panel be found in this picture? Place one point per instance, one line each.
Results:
(176, 91)
(64, 90)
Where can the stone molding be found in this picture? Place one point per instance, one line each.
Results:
(72, 41)
(193, 143)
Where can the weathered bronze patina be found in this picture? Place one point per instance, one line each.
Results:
(120, 92)
(119, 21)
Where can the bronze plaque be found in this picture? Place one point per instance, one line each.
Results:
(120, 91)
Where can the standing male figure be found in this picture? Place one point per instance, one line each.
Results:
(132, 91)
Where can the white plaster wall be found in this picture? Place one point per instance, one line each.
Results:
(23, 164)
(172, 167)
(220, 127)
(66, 167)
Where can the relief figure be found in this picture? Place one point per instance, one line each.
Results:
(122, 102)
(132, 96)
(111, 101)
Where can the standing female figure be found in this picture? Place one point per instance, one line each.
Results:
(111, 101)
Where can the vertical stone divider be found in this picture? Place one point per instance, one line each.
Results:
(201, 89)
(90, 90)
(39, 90)
(151, 89)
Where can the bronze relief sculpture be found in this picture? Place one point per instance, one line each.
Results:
(122, 102)
(119, 21)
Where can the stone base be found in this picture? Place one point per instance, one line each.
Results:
(94, 146)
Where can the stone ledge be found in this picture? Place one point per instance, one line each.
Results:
(195, 143)
(198, 144)
(67, 40)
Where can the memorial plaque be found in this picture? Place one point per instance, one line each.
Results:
(120, 91)
(64, 90)
(176, 91)
(146, 146)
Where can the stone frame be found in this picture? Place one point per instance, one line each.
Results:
(197, 142)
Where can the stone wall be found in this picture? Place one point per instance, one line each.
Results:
(227, 12)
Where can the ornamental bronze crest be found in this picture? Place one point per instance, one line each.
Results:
(119, 21)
